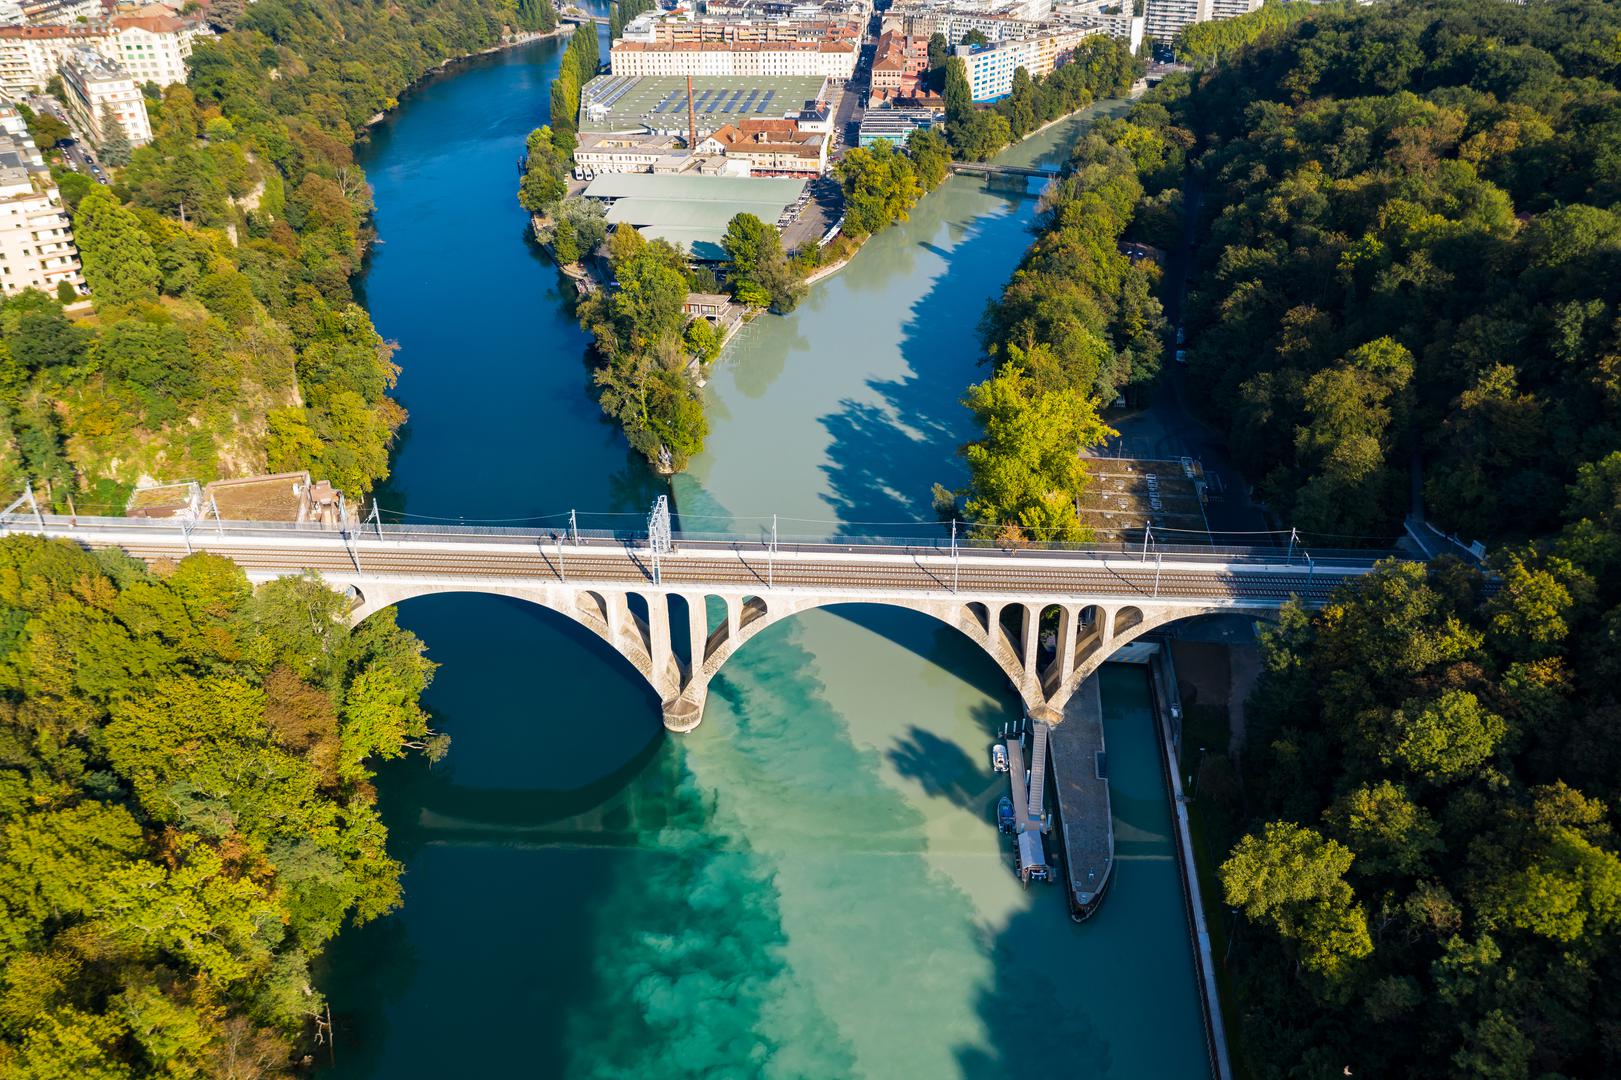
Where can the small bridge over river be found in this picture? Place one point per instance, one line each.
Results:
(985, 168)
(637, 592)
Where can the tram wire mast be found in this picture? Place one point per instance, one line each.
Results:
(954, 555)
(658, 533)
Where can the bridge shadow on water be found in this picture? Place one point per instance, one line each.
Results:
(559, 764)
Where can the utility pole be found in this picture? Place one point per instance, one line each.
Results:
(955, 577)
(573, 528)
(33, 502)
(562, 571)
(1148, 532)
(1294, 534)
(219, 526)
(658, 534)
(771, 557)
(343, 532)
(1159, 561)
(376, 518)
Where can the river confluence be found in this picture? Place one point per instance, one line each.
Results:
(810, 884)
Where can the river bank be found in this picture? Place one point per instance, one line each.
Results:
(511, 41)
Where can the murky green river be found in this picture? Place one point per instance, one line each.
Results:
(809, 885)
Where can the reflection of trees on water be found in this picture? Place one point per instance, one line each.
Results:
(761, 356)
(912, 433)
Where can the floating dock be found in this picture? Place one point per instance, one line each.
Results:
(1079, 768)
(1028, 848)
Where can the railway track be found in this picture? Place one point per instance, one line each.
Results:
(753, 569)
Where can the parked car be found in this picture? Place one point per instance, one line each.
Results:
(1181, 335)
(1181, 356)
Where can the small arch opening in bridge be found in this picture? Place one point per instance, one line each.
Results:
(592, 607)
(980, 616)
(1010, 622)
(636, 605)
(681, 619)
(754, 609)
(1126, 620)
(1054, 626)
(1090, 625)
(720, 623)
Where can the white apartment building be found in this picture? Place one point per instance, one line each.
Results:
(1113, 17)
(1166, 17)
(36, 241)
(762, 59)
(95, 84)
(153, 47)
(991, 67)
(30, 55)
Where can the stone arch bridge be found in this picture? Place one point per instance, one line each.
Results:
(714, 595)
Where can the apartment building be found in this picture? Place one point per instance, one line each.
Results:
(1166, 17)
(660, 28)
(991, 67)
(60, 12)
(30, 55)
(763, 59)
(955, 21)
(99, 89)
(151, 43)
(897, 62)
(1117, 18)
(36, 241)
(770, 147)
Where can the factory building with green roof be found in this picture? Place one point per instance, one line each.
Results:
(692, 210)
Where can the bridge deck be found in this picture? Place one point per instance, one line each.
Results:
(834, 567)
(981, 168)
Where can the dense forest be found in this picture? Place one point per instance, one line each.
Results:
(186, 813)
(1078, 324)
(225, 339)
(1408, 286)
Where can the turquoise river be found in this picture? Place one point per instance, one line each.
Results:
(810, 884)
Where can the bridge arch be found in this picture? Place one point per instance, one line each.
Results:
(635, 622)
